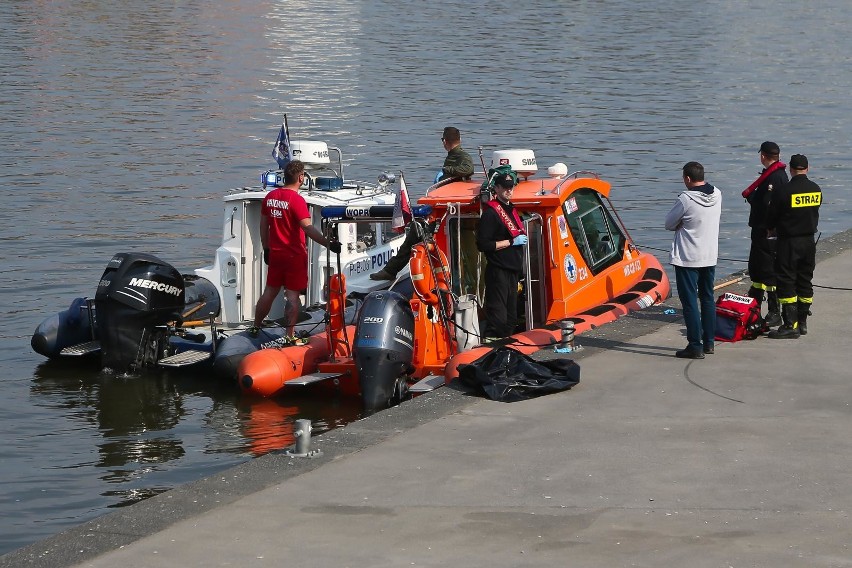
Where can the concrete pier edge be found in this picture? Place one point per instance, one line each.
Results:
(127, 525)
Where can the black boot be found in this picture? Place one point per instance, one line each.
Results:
(757, 294)
(790, 328)
(803, 311)
(773, 317)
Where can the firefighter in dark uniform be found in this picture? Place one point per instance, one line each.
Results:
(793, 217)
(761, 256)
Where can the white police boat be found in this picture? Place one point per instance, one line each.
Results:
(145, 314)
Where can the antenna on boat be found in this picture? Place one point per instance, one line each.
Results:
(482, 161)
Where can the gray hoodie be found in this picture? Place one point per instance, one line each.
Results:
(695, 221)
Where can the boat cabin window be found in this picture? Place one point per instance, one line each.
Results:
(362, 237)
(598, 237)
(466, 262)
(387, 232)
(366, 236)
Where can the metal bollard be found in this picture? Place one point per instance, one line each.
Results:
(302, 433)
(566, 345)
(567, 333)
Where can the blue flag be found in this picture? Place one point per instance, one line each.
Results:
(281, 152)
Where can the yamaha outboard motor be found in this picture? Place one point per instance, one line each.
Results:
(383, 347)
(136, 294)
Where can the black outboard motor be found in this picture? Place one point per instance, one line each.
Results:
(383, 347)
(137, 293)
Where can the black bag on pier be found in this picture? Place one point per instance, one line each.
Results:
(508, 375)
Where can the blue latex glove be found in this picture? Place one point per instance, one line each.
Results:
(438, 176)
(519, 241)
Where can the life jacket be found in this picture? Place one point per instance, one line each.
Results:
(513, 224)
(750, 189)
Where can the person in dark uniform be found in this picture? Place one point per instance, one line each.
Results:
(761, 256)
(457, 165)
(500, 236)
(793, 217)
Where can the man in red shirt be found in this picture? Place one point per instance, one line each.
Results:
(284, 222)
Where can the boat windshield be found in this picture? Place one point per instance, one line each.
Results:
(598, 237)
(388, 232)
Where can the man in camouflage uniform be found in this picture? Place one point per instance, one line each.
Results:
(457, 165)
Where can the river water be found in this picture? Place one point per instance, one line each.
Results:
(123, 123)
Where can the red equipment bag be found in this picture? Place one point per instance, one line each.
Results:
(737, 317)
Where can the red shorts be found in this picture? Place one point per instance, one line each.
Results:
(287, 271)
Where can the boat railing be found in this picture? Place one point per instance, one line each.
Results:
(360, 188)
(344, 200)
(480, 176)
(246, 189)
(574, 176)
(443, 182)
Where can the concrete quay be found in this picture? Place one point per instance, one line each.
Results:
(741, 459)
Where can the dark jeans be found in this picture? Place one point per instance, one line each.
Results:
(695, 286)
(398, 261)
(501, 301)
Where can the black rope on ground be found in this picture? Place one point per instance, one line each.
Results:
(690, 381)
(745, 261)
(832, 288)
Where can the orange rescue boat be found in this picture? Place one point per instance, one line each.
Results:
(582, 270)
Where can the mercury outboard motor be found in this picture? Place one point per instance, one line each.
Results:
(136, 294)
(383, 347)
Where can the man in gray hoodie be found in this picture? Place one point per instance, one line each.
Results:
(695, 249)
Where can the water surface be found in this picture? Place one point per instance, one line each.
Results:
(124, 122)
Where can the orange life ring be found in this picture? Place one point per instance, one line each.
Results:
(428, 281)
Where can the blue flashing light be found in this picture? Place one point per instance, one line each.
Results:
(274, 178)
(421, 210)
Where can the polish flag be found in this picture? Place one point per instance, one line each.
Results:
(401, 207)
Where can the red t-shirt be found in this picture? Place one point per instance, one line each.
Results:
(286, 209)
